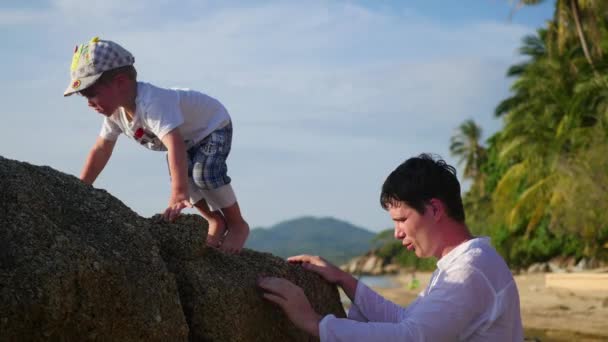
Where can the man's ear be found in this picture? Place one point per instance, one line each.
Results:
(437, 208)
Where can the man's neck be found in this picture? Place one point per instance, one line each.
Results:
(455, 234)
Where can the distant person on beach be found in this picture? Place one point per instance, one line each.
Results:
(471, 296)
(195, 130)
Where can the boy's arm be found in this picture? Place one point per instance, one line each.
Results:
(176, 148)
(97, 159)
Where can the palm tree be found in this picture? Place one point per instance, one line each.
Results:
(547, 166)
(587, 17)
(466, 146)
(541, 128)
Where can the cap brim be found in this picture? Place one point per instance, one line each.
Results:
(80, 84)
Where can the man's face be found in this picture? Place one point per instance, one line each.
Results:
(102, 97)
(415, 230)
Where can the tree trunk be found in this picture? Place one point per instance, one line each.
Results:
(581, 35)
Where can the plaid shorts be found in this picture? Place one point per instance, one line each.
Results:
(207, 167)
(207, 160)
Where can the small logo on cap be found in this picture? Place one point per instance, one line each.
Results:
(76, 84)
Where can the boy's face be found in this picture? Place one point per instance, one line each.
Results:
(416, 231)
(102, 97)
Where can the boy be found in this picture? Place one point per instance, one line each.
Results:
(194, 129)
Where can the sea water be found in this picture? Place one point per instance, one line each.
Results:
(385, 281)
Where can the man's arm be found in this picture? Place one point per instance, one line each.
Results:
(176, 148)
(367, 306)
(293, 301)
(450, 311)
(97, 159)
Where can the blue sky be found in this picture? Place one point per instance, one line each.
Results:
(327, 97)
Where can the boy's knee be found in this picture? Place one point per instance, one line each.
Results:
(221, 197)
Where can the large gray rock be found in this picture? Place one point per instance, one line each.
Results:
(219, 293)
(77, 264)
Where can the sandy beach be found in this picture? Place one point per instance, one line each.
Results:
(548, 314)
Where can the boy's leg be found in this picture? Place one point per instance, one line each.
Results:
(209, 173)
(215, 221)
(238, 229)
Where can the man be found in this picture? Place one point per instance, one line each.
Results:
(471, 295)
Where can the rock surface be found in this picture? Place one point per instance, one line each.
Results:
(77, 264)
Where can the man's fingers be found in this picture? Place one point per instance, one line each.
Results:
(313, 267)
(300, 258)
(278, 286)
(280, 301)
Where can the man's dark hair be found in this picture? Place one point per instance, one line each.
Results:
(419, 179)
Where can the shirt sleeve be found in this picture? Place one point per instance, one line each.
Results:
(109, 130)
(448, 312)
(355, 314)
(375, 307)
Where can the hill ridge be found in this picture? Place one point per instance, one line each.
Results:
(335, 239)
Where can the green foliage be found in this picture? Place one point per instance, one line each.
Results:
(542, 246)
(392, 250)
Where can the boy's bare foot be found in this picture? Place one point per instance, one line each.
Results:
(216, 232)
(235, 238)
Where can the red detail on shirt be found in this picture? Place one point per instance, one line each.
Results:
(139, 133)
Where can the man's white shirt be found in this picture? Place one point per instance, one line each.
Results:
(471, 296)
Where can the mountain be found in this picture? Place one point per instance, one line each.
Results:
(337, 241)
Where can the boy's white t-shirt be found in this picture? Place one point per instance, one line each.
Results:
(160, 110)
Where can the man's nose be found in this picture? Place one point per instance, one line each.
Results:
(399, 234)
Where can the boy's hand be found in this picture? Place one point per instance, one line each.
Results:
(176, 204)
(176, 155)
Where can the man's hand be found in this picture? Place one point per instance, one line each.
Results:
(176, 204)
(328, 271)
(293, 301)
(318, 265)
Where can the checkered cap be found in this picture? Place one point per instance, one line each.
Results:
(91, 59)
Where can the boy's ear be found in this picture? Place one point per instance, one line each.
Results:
(122, 78)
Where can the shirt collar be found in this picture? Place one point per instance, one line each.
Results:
(447, 259)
